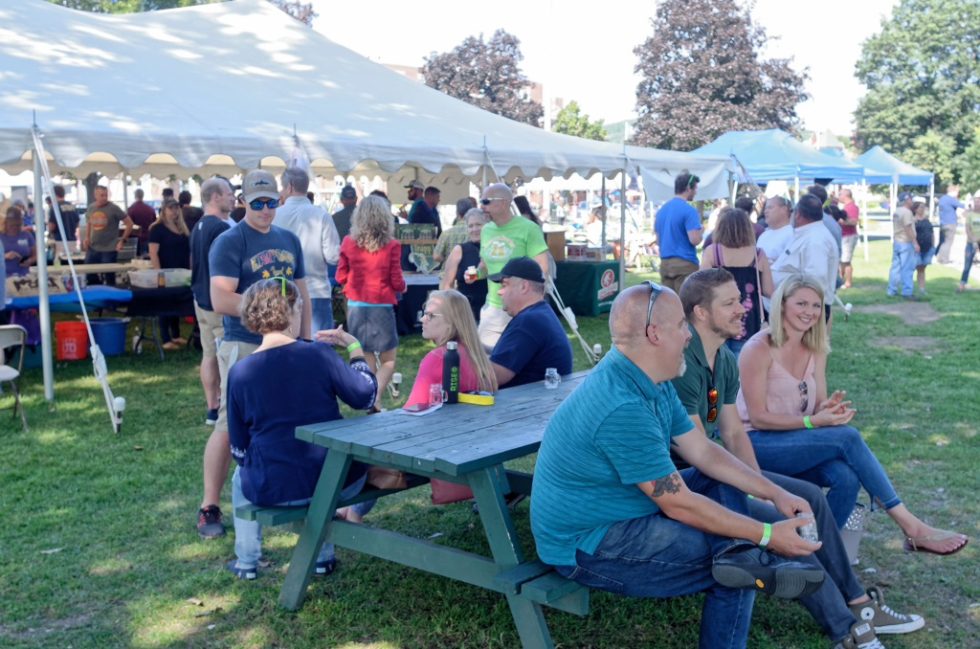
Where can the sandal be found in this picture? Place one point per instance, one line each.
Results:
(915, 544)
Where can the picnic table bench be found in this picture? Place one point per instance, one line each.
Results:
(458, 443)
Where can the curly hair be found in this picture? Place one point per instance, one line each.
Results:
(372, 225)
(268, 305)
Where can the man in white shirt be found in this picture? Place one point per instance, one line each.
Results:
(778, 233)
(318, 237)
(813, 250)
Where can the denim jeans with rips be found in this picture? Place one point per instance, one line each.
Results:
(830, 456)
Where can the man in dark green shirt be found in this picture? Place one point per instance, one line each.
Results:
(708, 389)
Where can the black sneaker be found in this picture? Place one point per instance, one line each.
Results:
(209, 524)
(247, 574)
(748, 566)
(212, 417)
(324, 568)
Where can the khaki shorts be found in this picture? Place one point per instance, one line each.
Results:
(229, 353)
(493, 321)
(212, 330)
(673, 272)
(847, 246)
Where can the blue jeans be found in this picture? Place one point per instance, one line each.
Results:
(101, 257)
(828, 605)
(968, 254)
(903, 265)
(832, 456)
(656, 556)
(322, 314)
(248, 534)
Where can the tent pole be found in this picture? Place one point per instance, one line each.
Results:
(932, 196)
(864, 214)
(892, 197)
(622, 229)
(602, 210)
(44, 307)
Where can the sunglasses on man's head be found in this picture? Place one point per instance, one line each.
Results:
(712, 404)
(259, 203)
(655, 291)
(692, 181)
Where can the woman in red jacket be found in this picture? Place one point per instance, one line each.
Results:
(370, 270)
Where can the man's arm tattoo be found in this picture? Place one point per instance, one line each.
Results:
(668, 485)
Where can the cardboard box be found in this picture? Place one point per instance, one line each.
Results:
(556, 244)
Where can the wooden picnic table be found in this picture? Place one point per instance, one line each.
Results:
(459, 443)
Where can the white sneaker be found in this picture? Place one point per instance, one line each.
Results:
(862, 636)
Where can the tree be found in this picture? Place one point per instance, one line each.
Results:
(922, 71)
(968, 164)
(571, 121)
(486, 74)
(703, 75)
(302, 11)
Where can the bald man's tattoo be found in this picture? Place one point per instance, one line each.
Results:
(669, 485)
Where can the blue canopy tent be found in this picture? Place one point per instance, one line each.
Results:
(881, 167)
(776, 155)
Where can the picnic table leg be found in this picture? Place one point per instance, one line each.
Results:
(489, 486)
(318, 516)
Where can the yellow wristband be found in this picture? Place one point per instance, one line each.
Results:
(807, 423)
(766, 535)
(353, 347)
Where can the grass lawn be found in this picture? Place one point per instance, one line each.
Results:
(98, 546)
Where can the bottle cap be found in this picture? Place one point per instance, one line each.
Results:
(452, 344)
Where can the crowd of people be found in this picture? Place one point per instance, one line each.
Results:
(708, 432)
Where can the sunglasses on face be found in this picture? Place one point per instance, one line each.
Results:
(259, 203)
(487, 201)
(655, 291)
(712, 405)
(429, 315)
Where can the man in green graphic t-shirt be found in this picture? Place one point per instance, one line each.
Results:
(505, 237)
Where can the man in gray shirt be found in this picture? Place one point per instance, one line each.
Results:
(101, 241)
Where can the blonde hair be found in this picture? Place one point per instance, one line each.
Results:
(462, 328)
(268, 305)
(372, 225)
(815, 339)
(180, 223)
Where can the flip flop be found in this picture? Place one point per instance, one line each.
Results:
(914, 544)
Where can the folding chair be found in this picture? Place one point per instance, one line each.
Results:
(11, 336)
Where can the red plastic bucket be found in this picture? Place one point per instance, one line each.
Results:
(72, 340)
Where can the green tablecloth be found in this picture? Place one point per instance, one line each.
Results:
(589, 287)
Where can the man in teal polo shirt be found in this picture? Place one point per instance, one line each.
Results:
(708, 389)
(610, 511)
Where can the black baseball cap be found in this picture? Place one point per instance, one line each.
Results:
(522, 268)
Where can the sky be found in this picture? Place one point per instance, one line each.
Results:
(582, 50)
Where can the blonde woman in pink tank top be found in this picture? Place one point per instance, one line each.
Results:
(798, 430)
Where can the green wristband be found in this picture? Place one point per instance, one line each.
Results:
(807, 423)
(353, 347)
(766, 535)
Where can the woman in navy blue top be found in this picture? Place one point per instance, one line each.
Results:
(283, 384)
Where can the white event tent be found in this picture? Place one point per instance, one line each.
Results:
(225, 87)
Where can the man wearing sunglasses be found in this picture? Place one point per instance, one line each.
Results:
(253, 250)
(610, 510)
(507, 236)
(708, 390)
(679, 231)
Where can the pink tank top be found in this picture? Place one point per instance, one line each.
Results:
(785, 394)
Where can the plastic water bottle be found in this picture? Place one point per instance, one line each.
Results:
(597, 350)
(450, 372)
(808, 531)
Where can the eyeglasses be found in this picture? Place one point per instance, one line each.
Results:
(259, 203)
(692, 181)
(428, 315)
(804, 396)
(712, 404)
(655, 291)
(487, 201)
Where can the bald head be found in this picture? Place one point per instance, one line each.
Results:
(498, 190)
(628, 315)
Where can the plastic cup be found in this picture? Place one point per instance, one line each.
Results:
(435, 394)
